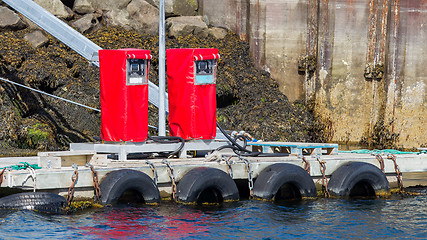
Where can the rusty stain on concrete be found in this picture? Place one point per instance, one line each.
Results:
(369, 79)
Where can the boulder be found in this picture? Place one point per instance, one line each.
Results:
(56, 7)
(85, 24)
(178, 7)
(30, 24)
(117, 18)
(10, 20)
(36, 39)
(146, 16)
(109, 5)
(83, 7)
(181, 26)
(217, 33)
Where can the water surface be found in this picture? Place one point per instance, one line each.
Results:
(249, 219)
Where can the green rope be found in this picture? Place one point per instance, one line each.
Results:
(23, 166)
(377, 151)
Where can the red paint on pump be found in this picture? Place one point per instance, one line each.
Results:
(192, 108)
(124, 107)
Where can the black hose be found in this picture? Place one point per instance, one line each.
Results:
(169, 139)
(241, 150)
(243, 138)
(233, 142)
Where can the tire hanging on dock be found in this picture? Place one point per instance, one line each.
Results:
(38, 201)
(358, 179)
(126, 181)
(284, 181)
(206, 185)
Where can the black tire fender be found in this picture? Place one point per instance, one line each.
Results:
(272, 178)
(197, 180)
(39, 201)
(115, 183)
(345, 178)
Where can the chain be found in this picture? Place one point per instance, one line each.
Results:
(250, 178)
(95, 183)
(153, 168)
(324, 179)
(74, 179)
(398, 172)
(381, 161)
(1, 176)
(229, 168)
(172, 177)
(306, 164)
(31, 175)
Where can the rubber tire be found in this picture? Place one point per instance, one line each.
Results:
(273, 177)
(348, 175)
(114, 184)
(38, 201)
(195, 181)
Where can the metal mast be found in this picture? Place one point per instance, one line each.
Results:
(162, 54)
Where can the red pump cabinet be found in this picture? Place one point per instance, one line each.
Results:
(191, 88)
(124, 94)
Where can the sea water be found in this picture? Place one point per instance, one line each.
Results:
(396, 218)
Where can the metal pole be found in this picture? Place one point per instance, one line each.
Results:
(162, 53)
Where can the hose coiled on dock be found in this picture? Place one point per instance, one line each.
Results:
(241, 150)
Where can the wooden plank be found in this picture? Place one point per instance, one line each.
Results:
(65, 158)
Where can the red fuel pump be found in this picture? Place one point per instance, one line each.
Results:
(124, 94)
(191, 87)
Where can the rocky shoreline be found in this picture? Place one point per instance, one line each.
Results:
(248, 99)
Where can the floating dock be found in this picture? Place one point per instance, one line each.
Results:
(57, 173)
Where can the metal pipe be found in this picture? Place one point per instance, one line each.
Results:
(162, 53)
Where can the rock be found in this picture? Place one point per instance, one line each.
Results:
(86, 23)
(30, 24)
(181, 26)
(146, 16)
(138, 15)
(83, 7)
(10, 20)
(36, 39)
(98, 13)
(178, 7)
(218, 33)
(185, 8)
(118, 18)
(56, 7)
(108, 5)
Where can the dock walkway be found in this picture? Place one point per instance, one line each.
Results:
(57, 171)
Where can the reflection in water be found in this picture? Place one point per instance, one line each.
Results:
(314, 219)
(155, 222)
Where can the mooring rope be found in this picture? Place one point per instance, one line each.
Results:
(50, 95)
(60, 98)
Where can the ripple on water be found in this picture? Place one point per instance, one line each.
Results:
(316, 219)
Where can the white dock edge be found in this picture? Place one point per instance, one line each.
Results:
(295, 148)
(124, 149)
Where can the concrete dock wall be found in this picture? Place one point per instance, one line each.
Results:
(359, 64)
